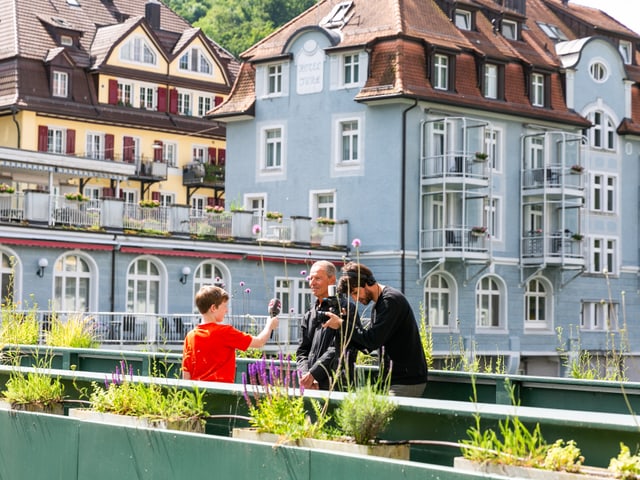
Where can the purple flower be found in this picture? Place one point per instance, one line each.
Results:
(248, 290)
(356, 243)
(241, 284)
(308, 253)
(256, 229)
(291, 310)
(303, 273)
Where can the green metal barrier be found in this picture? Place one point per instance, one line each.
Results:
(425, 423)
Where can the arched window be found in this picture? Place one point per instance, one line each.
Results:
(210, 273)
(143, 286)
(7, 278)
(437, 298)
(603, 132)
(489, 304)
(537, 303)
(71, 284)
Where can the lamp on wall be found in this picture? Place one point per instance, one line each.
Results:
(185, 273)
(42, 264)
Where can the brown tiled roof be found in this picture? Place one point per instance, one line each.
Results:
(593, 18)
(242, 99)
(27, 26)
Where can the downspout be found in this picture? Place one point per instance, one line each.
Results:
(14, 110)
(403, 204)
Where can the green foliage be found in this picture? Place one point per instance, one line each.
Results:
(123, 396)
(625, 466)
(19, 327)
(426, 338)
(34, 388)
(365, 413)
(76, 332)
(563, 457)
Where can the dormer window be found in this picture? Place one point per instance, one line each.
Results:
(66, 40)
(442, 70)
(509, 29)
(490, 81)
(553, 32)
(60, 84)
(337, 16)
(195, 61)
(626, 50)
(138, 50)
(540, 89)
(463, 19)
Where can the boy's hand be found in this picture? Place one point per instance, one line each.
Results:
(272, 322)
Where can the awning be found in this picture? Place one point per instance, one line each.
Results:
(181, 253)
(53, 244)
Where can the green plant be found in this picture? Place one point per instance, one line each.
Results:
(123, 396)
(325, 221)
(214, 209)
(481, 155)
(625, 466)
(149, 203)
(19, 326)
(426, 338)
(4, 188)
(274, 216)
(365, 413)
(76, 332)
(76, 196)
(563, 457)
(275, 407)
(36, 388)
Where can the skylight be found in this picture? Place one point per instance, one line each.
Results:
(337, 16)
(553, 32)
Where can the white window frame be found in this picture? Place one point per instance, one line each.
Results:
(626, 51)
(603, 193)
(439, 301)
(351, 69)
(321, 206)
(170, 153)
(441, 71)
(56, 140)
(167, 199)
(279, 73)
(490, 86)
(196, 62)
(126, 93)
(137, 50)
(542, 294)
(462, 19)
(602, 135)
(199, 153)
(294, 294)
(509, 29)
(144, 282)
(537, 89)
(66, 279)
(490, 288)
(148, 97)
(267, 143)
(204, 104)
(185, 103)
(492, 218)
(93, 193)
(198, 204)
(598, 71)
(274, 79)
(603, 255)
(599, 316)
(212, 272)
(493, 147)
(95, 145)
(60, 87)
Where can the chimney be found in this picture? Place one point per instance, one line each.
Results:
(152, 13)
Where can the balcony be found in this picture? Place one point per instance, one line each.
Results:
(115, 215)
(554, 180)
(455, 168)
(454, 241)
(197, 174)
(558, 248)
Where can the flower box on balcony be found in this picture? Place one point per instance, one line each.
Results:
(479, 231)
(577, 169)
(4, 188)
(481, 157)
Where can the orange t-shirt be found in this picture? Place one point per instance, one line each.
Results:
(209, 352)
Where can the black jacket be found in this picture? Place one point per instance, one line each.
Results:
(319, 349)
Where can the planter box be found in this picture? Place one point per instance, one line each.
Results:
(53, 409)
(398, 452)
(511, 471)
(194, 425)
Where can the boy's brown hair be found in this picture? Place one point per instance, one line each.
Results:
(210, 295)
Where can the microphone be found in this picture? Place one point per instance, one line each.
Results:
(274, 309)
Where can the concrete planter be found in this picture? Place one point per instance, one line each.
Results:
(511, 471)
(398, 452)
(53, 409)
(194, 425)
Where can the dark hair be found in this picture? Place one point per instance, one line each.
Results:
(210, 295)
(354, 275)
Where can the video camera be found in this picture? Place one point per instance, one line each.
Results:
(329, 304)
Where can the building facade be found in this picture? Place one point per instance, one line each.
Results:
(484, 152)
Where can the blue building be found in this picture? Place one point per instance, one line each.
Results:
(484, 152)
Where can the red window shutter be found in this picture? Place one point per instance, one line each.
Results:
(212, 155)
(162, 99)
(222, 156)
(127, 149)
(109, 142)
(173, 101)
(43, 138)
(211, 201)
(157, 151)
(221, 202)
(155, 196)
(217, 100)
(71, 141)
(113, 92)
(107, 192)
(121, 194)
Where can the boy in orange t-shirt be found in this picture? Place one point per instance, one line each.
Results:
(209, 351)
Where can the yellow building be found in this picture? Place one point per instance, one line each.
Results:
(108, 98)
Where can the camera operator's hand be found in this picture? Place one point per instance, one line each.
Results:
(307, 381)
(334, 321)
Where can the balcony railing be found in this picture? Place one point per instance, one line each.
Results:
(38, 207)
(454, 239)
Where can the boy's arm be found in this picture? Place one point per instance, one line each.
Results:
(260, 339)
(186, 375)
